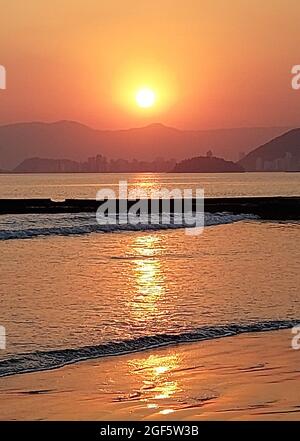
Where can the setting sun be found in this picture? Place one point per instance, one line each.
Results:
(145, 98)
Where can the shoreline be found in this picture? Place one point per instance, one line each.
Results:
(249, 376)
(25, 363)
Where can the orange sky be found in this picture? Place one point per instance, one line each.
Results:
(217, 63)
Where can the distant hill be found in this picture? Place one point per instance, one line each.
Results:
(279, 154)
(45, 165)
(67, 139)
(206, 164)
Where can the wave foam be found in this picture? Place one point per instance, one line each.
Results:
(39, 361)
(31, 226)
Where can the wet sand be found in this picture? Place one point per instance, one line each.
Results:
(247, 377)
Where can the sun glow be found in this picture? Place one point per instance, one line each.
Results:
(144, 91)
(145, 98)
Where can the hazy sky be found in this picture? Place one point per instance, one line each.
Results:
(212, 63)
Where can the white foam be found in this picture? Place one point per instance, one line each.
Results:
(36, 225)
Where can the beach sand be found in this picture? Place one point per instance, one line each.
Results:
(251, 376)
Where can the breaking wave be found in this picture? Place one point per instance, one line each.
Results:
(32, 225)
(45, 360)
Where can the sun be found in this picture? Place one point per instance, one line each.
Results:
(145, 97)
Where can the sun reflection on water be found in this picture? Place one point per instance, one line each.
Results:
(147, 293)
(149, 285)
(154, 374)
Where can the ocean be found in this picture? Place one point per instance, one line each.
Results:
(70, 291)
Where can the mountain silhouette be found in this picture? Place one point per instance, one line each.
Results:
(279, 154)
(75, 141)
